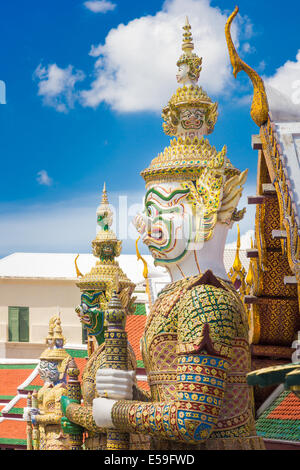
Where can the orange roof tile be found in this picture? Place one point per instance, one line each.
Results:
(135, 326)
(37, 381)
(81, 363)
(10, 379)
(289, 408)
(21, 403)
(13, 429)
(143, 386)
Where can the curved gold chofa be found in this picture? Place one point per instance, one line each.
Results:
(260, 107)
(78, 272)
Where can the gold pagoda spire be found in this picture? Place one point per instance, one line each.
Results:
(104, 195)
(250, 276)
(78, 272)
(187, 43)
(237, 273)
(237, 265)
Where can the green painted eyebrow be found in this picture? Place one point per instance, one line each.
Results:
(166, 198)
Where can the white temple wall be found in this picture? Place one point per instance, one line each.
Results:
(44, 298)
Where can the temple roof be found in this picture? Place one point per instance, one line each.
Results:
(281, 419)
(62, 266)
(288, 137)
(281, 107)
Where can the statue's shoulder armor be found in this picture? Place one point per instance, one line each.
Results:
(210, 317)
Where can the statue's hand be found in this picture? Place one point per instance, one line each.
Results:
(29, 413)
(102, 408)
(70, 428)
(65, 402)
(67, 426)
(116, 384)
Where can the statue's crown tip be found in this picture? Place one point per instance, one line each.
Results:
(187, 43)
(104, 195)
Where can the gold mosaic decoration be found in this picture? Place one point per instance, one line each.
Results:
(196, 354)
(275, 319)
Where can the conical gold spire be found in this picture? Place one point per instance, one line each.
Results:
(104, 196)
(250, 275)
(237, 265)
(187, 44)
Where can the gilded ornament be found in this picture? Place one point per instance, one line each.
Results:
(260, 107)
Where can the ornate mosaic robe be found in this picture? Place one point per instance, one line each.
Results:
(95, 437)
(50, 436)
(197, 355)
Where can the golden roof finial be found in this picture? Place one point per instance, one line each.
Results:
(78, 272)
(145, 272)
(139, 257)
(250, 275)
(260, 107)
(237, 265)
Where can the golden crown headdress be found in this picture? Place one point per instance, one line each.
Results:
(106, 247)
(58, 355)
(213, 182)
(189, 96)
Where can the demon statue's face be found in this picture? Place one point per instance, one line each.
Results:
(168, 223)
(48, 371)
(91, 313)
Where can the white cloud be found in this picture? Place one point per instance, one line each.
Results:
(66, 226)
(44, 179)
(100, 6)
(248, 49)
(69, 225)
(287, 79)
(136, 66)
(57, 86)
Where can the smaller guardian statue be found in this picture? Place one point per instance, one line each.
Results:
(46, 415)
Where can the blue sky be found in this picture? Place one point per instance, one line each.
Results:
(77, 114)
